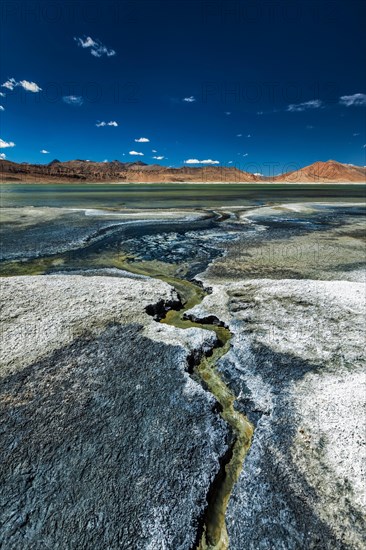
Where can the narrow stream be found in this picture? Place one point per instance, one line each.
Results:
(213, 535)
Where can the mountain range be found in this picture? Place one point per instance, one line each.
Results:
(116, 171)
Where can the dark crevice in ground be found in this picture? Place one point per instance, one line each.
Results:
(211, 525)
(160, 309)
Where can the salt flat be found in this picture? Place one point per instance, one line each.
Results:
(100, 401)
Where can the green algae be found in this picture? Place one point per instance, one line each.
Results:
(38, 266)
(214, 535)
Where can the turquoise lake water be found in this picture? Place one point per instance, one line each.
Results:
(173, 195)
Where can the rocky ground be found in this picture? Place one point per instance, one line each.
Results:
(297, 364)
(106, 442)
(296, 242)
(34, 232)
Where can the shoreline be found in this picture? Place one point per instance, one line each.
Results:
(180, 183)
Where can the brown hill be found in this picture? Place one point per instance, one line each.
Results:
(116, 171)
(328, 172)
(88, 171)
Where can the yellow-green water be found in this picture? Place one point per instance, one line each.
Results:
(214, 536)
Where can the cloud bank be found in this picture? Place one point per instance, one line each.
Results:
(196, 161)
(110, 123)
(97, 49)
(356, 100)
(11, 83)
(299, 107)
(5, 144)
(73, 99)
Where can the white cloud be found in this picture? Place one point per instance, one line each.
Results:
(136, 153)
(260, 113)
(87, 43)
(154, 151)
(354, 135)
(190, 99)
(158, 158)
(230, 162)
(110, 123)
(142, 140)
(97, 49)
(239, 135)
(245, 154)
(2, 94)
(249, 136)
(44, 152)
(196, 161)
(2, 108)
(4, 144)
(257, 174)
(105, 160)
(299, 107)
(30, 86)
(353, 100)
(2, 156)
(364, 146)
(73, 99)
(228, 113)
(11, 83)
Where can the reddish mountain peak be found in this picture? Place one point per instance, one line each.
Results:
(330, 171)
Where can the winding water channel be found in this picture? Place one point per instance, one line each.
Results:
(213, 535)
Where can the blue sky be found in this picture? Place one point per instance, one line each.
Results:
(265, 85)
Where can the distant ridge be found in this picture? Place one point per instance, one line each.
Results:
(330, 171)
(116, 171)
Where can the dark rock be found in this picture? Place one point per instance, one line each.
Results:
(107, 443)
